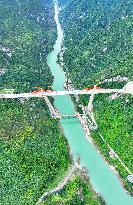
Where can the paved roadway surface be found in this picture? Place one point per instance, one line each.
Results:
(70, 92)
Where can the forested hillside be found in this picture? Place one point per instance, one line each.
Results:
(98, 37)
(27, 34)
(29, 163)
(34, 152)
(99, 46)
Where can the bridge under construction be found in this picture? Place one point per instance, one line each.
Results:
(46, 93)
(94, 91)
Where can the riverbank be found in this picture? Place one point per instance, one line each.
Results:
(116, 167)
(75, 172)
(83, 120)
(75, 135)
(29, 163)
(61, 185)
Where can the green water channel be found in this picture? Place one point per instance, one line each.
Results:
(103, 180)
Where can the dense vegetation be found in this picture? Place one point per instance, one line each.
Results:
(118, 114)
(98, 38)
(34, 152)
(77, 192)
(99, 46)
(28, 32)
(115, 124)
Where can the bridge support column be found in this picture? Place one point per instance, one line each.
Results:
(54, 113)
(90, 104)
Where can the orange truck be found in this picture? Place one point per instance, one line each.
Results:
(91, 88)
(41, 90)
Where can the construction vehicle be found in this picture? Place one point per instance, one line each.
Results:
(41, 90)
(92, 88)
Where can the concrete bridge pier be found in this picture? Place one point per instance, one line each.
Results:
(54, 113)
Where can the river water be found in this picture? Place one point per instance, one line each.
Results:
(103, 180)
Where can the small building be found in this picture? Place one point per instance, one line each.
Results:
(112, 153)
(130, 178)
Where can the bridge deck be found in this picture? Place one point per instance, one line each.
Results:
(70, 92)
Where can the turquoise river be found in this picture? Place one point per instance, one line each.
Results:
(103, 180)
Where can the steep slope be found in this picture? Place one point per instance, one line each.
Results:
(98, 36)
(27, 36)
(99, 46)
(76, 192)
(34, 153)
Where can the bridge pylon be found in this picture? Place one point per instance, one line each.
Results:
(54, 113)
